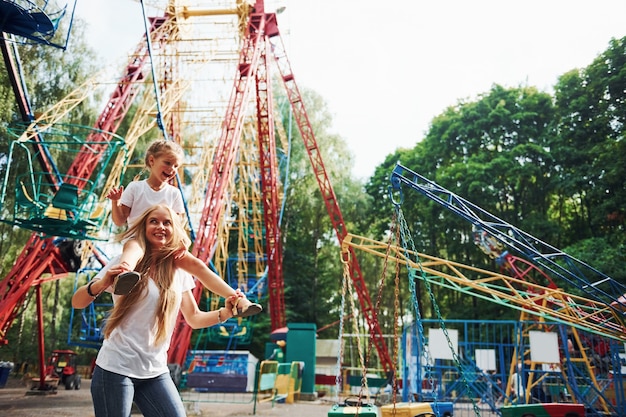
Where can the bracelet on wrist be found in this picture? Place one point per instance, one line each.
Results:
(219, 316)
(92, 295)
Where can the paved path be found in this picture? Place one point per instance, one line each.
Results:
(15, 402)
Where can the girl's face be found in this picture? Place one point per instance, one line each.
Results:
(164, 167)
(159, 227)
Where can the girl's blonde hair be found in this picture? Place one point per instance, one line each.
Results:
(164, 147)
(156, 264)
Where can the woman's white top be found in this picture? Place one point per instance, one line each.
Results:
(130, 349)
(139, 196)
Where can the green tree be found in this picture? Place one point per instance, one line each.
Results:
(493, 152)
(312, 269)
(590, 147)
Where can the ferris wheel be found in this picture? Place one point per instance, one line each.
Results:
(181, 71)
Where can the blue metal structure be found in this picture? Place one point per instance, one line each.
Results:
(86, 324)
(601, 390)
(577, 274)
(36, 21)
(444, 380)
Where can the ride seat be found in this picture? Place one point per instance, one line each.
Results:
(64, 201)
(98, 213)
(26, 18)
(55, 213)
(24, 200)
(47, 24)
(66, 197)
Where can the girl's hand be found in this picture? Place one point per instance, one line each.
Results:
(115, 193)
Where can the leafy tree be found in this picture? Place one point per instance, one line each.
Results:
(602, 255)
(493, 152)
(554, 167)
(590, 147)
(311, 256)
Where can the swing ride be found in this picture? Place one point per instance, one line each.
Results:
(52, 203)
(559, 265)
(603, 309)
(573, 317)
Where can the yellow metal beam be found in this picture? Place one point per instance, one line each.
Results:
(548, 303)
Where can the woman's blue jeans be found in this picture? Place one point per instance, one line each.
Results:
(113, 395)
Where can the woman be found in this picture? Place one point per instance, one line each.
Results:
(132, 362)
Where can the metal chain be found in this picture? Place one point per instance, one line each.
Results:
(346, 277)
(379, 296)
(355, 330)
(381, 286)
(415, 300)
(409, 247)
(396, 305)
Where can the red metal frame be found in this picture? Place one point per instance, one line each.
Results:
(269, 189)
(328, 195)
(263, 37)
(40, 255)
(263, 33)
(221, 170)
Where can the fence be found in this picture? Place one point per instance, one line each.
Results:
(273, 382)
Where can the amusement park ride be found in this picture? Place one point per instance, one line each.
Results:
(58, 194)
(595, 314)
(57, 219)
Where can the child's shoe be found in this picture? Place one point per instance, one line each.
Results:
(247, 310)
(125, 282)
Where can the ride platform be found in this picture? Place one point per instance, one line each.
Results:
(544, 410)
(444, 409)
(353, 407)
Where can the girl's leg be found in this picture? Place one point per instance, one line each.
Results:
(131, 254)
(112, 394)
(158, 397)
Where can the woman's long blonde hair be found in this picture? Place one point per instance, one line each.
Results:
(157, 265)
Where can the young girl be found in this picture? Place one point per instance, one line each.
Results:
(132, 362)
(162, 160)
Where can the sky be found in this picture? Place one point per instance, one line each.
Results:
(387, 68)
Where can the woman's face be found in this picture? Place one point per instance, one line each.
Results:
(159, 227)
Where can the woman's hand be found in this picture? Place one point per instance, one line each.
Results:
(198, 319)
(240, 294)
(83, 297)
(112, 273)
(230, 304)
(86, 294)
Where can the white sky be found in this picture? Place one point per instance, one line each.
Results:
(387, 68)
